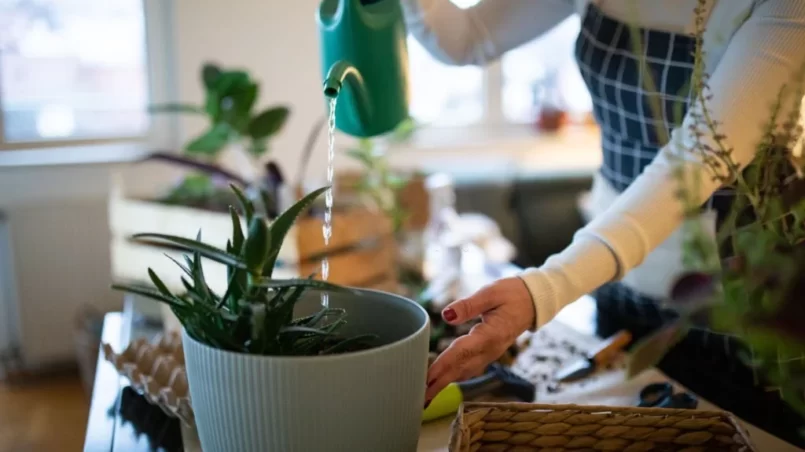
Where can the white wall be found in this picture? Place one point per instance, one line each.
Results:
(278, 42)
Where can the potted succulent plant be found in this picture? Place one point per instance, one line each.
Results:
(270, 369)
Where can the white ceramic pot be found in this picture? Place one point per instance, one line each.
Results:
(363, 401)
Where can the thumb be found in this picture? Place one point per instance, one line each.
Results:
(466, 309)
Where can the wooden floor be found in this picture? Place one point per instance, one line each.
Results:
(47, 414)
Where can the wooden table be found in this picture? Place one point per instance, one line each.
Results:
(121, 420)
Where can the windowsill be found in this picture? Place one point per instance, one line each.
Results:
(107, 153)
(505, 152)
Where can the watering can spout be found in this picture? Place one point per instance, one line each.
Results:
(343, 73)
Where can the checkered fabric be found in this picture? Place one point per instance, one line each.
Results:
(630, 142)
(621, 104)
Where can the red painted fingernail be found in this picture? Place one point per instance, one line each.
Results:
(427, 404)
(449, 314)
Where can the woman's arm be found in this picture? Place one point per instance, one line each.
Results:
(483, 32)
(763, 55)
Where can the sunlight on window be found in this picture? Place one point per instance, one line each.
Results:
(72, 69)
(544, 72)
(444, 95)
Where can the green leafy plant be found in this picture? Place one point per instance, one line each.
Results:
(230, 98)
(255, 313)
(233, 119)
(750, 280)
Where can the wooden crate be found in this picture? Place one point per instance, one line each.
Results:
(414, 197)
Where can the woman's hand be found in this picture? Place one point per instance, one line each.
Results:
(506, 311)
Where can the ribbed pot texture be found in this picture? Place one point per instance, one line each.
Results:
(365, 401)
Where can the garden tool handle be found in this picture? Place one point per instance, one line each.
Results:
(611, 347)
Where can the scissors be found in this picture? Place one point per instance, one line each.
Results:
(661, 395)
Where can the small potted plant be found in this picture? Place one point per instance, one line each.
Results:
(269, 368)
(230, 148)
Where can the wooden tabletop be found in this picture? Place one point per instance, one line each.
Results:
(121, 420)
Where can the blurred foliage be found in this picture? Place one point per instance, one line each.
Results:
(749, 281)
(379, 185)
(233, 120)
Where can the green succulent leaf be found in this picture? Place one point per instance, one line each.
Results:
(256, 248)
(348, 343)
(149, 293)
(245, 203)
(237, 231)
(159, 284)
(180, 265)
(280, 227)
(199, 283)
(191, 291)
(313, 319)
(268, 123)
(208, 251)
(211, 141)
(238, 280)
(306, 283)
(302, 330)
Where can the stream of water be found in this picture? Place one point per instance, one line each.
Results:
(327, 228)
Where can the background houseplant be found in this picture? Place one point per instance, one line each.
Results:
(270, 369)
(230, 148)
(755, 293)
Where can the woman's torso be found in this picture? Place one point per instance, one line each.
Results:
(635, 117)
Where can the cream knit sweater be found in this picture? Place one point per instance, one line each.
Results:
(635, 235)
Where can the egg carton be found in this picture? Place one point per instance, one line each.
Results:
(156, 369)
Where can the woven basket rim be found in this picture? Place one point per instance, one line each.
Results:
(458, 425)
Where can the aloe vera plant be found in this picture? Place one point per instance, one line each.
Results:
(255, 314)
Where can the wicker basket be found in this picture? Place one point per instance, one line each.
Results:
(533, 427)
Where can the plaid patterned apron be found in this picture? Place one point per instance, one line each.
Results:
(706, 362)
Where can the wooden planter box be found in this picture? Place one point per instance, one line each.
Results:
(362, 251)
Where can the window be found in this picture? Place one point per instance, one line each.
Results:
(541, 72)
(510, 91)
(72, 70)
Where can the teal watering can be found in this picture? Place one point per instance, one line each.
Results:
(365, 64)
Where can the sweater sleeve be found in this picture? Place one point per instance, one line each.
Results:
(763, 55)
(479, 34)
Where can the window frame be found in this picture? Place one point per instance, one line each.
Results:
(157, 16)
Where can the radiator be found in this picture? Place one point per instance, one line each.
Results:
(54, 259)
